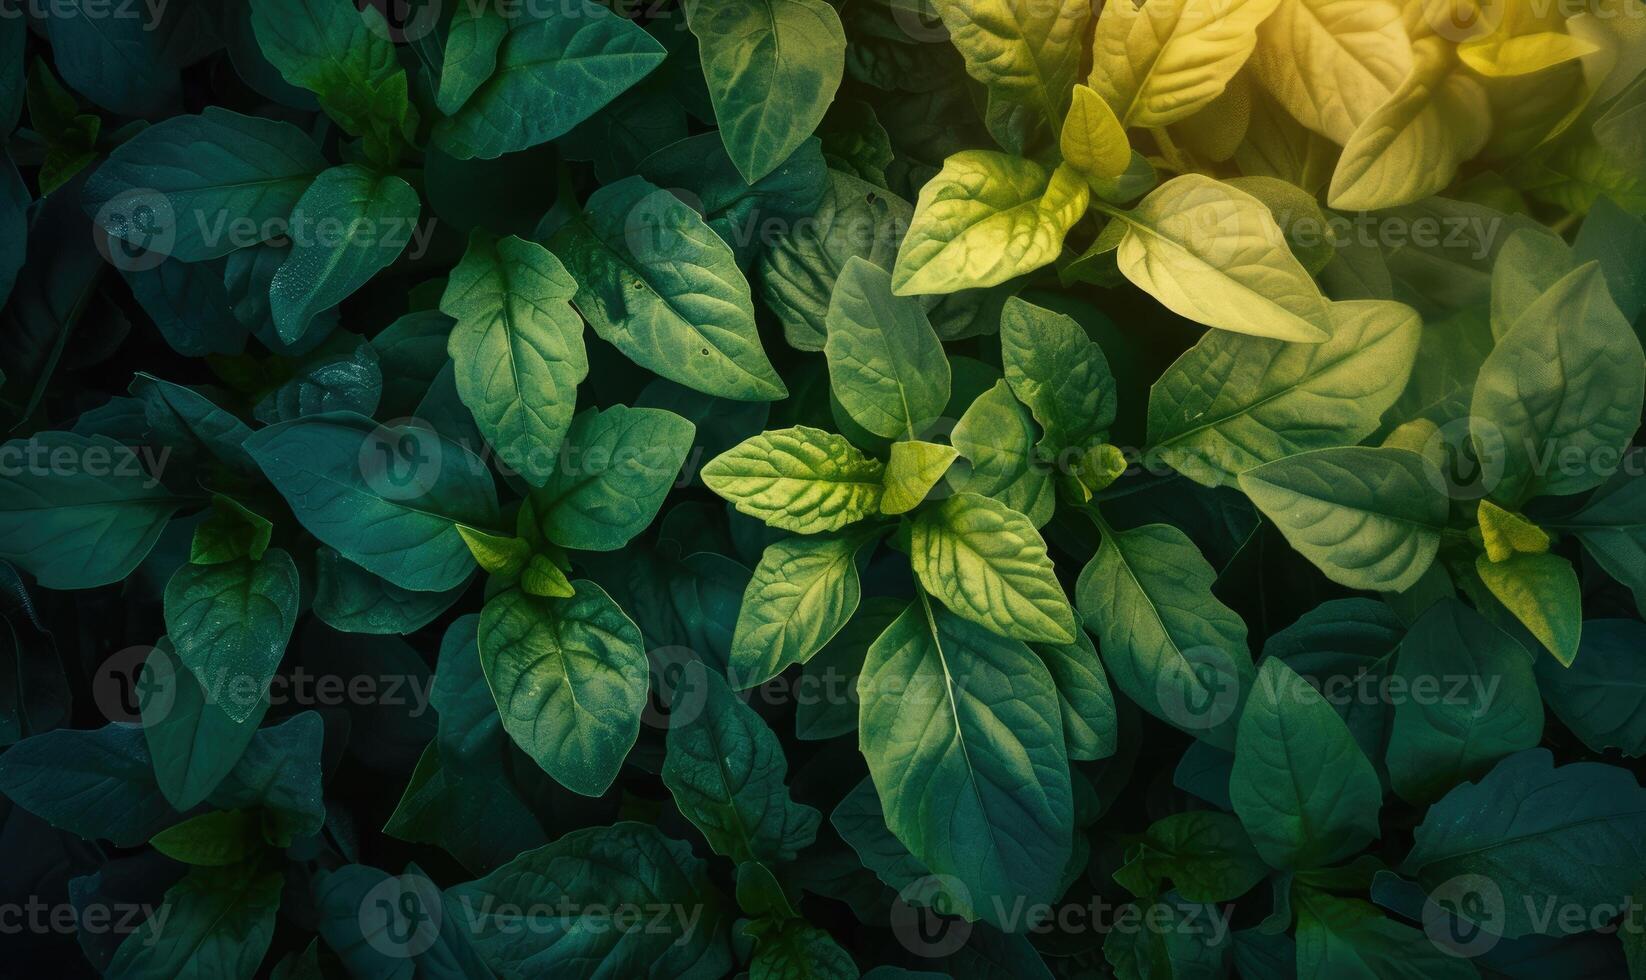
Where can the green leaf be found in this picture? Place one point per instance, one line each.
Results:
(1601, 695)
(212, 840)
(344, 56)
(602, 872)
(802, 479)
(1027, 57)
(1412, 145)
(95, 784)
(952, 712)
(1169, 644)
(496, 554)
(190, 423)
(725, 770)
(518, 347)
(1090, 723)
(914, 468)
(833, 672)
(797, 950)
(219, 922)
(1332, 63)
(996, 437)
(279, 773)
(1483, 706)
(473, 39)
(554, 69)
(1504, 533)
(1092, 139)
(352, 600)
(191, 186)
(1543, 837)
(1233, 402)
(1205, 854)
(1060, 374)
(660, 286)
(378, 215)
(1560, 395)
(1213, 253)
(772, 70)
(1542, 592)
(230, 624)
(886, 365)
(388, 499)
(985, 218)
(615, 469)
(1160, 65)
(988, 564)
(1369, 518)
(1303, 789)
(1347, 937)
(84, 526)
(798, 271)
(803, 591)
(191, 737)
(570, 679)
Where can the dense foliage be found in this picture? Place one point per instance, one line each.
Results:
(984, 488)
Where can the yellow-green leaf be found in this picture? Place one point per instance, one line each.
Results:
(1093, 141)
(1332, 63)
(1542, 592)
(1214, 254)
(1413, 144)
(1505, 533)
(986, 218)
(914, 468)
(1159, 62)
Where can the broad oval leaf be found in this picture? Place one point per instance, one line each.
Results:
(1169, 644)
(988, 564)
(1370, 518)
(1060, 374)
(387, 498)
(1412, 145)
(955, 713)
(660, 286)
(912, 470)
(205, 179)
(85, 528)
(1436, 743)
(552, 71)
(886, 365)
(996, 438)
(1026, 55)
(985, 218)
(1233, 402)
(1158, 63)
(518, 348)
(1305, 792)
(612, 474)
(802, 592)
(378, 214)
(230, 623)
(772, 69)
(1213, 253)
(1559, 837)
(801, 479)
(1565, 382)
(602, 871)
(1332, 63)
(726, 770)
(570, 679)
